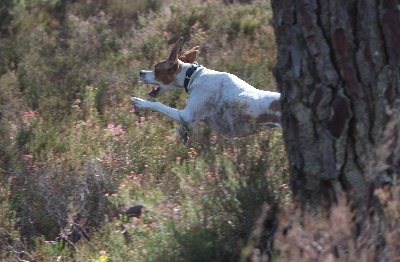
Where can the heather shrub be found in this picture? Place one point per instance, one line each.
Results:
(240, 186)
(75, 155)
(10, 243)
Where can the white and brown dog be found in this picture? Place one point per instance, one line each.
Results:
(228, 104)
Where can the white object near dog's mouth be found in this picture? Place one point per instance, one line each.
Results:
(155, 90)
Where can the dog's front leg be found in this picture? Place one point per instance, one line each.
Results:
(173, 113)
(179, 116)
(182, 133)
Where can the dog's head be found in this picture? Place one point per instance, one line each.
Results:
(164, 73)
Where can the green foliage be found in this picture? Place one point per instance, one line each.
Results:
(75, 155)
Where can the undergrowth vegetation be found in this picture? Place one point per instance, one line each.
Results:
(75, 155)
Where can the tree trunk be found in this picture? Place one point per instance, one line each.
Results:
(338, 72)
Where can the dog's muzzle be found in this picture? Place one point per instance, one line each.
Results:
(155, 90)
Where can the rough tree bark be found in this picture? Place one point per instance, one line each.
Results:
(338, 72)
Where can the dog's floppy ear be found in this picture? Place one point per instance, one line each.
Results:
(189, 56)
(173, 57)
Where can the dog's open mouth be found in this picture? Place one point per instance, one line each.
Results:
(155, 90)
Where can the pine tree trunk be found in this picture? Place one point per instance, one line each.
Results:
(338, 72)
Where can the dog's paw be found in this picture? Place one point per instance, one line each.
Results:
(138, 102)
(183, 135)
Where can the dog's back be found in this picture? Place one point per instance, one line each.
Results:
(230, 105)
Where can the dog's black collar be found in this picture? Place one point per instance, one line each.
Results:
(189, 74)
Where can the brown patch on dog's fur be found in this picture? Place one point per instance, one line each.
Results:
(165, 71)
(189, 56)
(275, 106)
